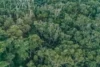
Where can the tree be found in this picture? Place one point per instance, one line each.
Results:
(49, 33)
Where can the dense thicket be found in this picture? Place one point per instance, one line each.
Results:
(49, 33)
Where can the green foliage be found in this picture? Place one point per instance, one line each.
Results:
(14, 30)
(4, 64)
(49, 33)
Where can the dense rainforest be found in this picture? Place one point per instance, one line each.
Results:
(49, 33)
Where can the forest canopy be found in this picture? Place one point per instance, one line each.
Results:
(49, 33)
